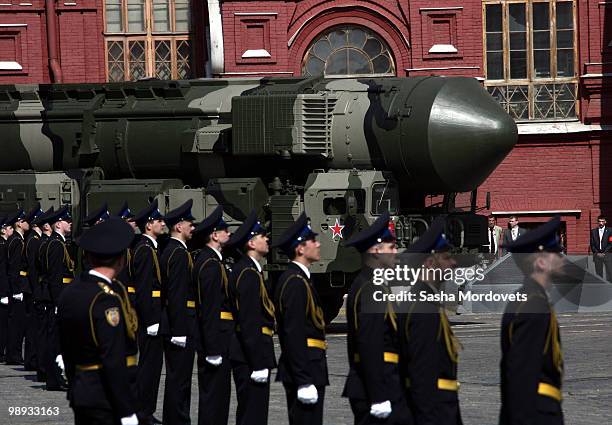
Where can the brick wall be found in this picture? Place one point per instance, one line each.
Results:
(23, 40)
(554, 173)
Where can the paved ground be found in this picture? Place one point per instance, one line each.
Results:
(587, 341)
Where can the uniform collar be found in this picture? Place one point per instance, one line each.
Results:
(216, 251)
(60, 235)
(101, 276)
(533, 286)
(304, 268)
(182, 243)
(153, 241)
(256, 264)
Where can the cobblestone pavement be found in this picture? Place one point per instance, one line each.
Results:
(587, 340)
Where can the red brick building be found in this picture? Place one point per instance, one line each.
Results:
(547, 62)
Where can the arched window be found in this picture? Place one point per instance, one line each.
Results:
(348, 51)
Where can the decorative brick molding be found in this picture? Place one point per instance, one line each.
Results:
(440, 32)
(13, 49)
(254, 42)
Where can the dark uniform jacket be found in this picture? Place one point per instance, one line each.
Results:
(429, 355)
(254, 316)
(41, 261)
(301, 330)
(97, 335)
(58, 266)
(125, 276)
(145, 275)
(17, 264)
(532, 361)
(32, 246)
(373, 345)
(215, 318)
(4, 282)
(178, 294)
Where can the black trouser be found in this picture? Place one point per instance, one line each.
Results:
(253, 397)
(177, 392)
(92, 416)
(599, 265)
(214, 388)
(4, 311)
(16, 331)
(54, 373)
(42, 331)
(304, 414)
(400, 414)
(150, 361)
(30, 354)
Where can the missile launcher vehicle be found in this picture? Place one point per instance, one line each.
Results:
(343, 150)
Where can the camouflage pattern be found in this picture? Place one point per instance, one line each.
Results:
(343, 150)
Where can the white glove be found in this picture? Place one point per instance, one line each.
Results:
(181, 341)
(4, 300)
(130, 420)
(308, 394)
(260, 376)
(153, 329)
(59, 360)
(214, 360)
(18, 296)
(381, 410)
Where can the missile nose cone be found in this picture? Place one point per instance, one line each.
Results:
(469, 134)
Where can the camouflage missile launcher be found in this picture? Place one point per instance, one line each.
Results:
(343, 150)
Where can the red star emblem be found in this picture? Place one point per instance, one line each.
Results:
(337, 229)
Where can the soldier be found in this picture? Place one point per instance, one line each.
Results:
(97, 216)
(429, 349)
(252, 351)
(4, 289)
(16, 319)
(373, 384)
(179, 315)
(42, 297)
(532, 359)
(18, 285)
(302, 367)
(58, 271)
(146, 278)
(32, 243)
(97, 327)
(215, 321)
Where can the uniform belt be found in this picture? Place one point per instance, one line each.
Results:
(154, 294)
(443, 384)
(190, 304)
(129, 361)
(67, 280)
(549, 391)
(22, 273)
(448, 384)
(387, 356)
(316, 343)
(227, 315)
(264, 330)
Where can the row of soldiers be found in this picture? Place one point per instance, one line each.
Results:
(403, 366)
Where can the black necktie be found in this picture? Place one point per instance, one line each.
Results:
(492, 244)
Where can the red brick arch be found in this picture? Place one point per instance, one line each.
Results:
(369, 19)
